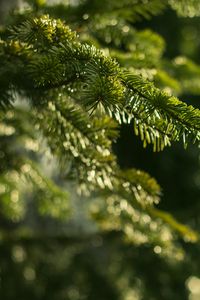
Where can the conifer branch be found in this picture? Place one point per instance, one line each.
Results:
(103, 83)
(73, 87)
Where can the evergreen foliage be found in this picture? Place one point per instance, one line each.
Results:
(70, 76)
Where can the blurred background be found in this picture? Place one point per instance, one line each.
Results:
(57, 265)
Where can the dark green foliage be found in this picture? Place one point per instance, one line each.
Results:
(67, 89)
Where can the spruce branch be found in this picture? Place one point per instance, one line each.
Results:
(103, 83)
(76, 94)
